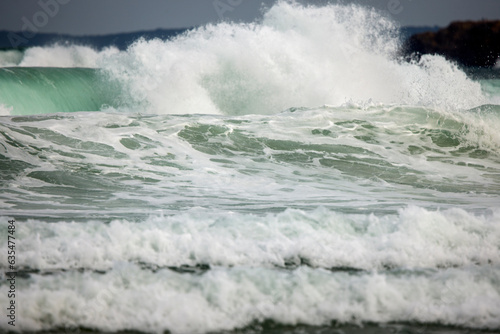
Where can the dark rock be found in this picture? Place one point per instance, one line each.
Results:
(468, 43)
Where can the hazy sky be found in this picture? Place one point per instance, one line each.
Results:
(110, 16)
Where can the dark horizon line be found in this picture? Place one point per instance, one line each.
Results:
(20, 32)
(20, 40)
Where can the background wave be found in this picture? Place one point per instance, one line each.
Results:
(44, 90)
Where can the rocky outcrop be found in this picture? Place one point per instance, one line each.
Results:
(468, 43)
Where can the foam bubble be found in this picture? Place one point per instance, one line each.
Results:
(497, 64)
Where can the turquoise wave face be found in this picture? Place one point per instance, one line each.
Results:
(43, 90)
(46, 90)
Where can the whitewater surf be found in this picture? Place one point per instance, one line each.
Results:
(293, 175)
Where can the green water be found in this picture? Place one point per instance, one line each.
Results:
(42, 90)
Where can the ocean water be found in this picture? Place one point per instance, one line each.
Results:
(292, 175)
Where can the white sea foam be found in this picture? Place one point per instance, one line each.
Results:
(128, 298)
(10, 58)
(5, 110)
(243, 284)
(295, 56)
(412, 239)
(351, 159)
